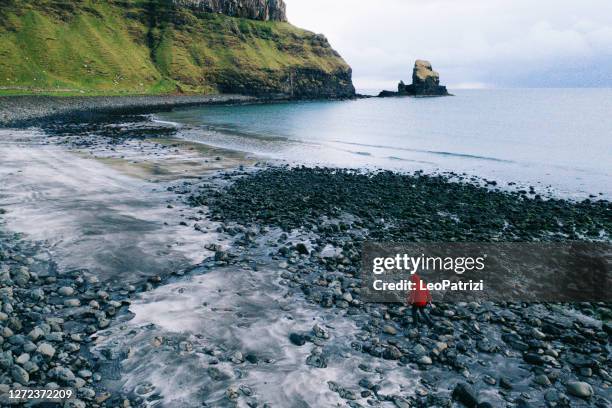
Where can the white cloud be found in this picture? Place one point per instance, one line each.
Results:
(497, 42)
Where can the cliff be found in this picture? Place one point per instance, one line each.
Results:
(264, 10)
(118, 47)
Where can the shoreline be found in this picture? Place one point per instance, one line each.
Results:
(26, 111)
(21, 111)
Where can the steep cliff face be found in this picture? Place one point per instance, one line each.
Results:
(164, 46)
(264, 10)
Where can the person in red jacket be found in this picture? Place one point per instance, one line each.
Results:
(419, 298)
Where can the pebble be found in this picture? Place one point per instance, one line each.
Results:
(237, 358)
(6, 359)
(297, 339)
(66, 291)
(320, 332)
(20, 375)
(232, 393)
(72, 303)
(551, 395)
(466, 395)
(579, 389)
(21, 276)
(62, 373)
(419, 350)
(23, 358)
(46, 350)
(542, 380)
(85, 374)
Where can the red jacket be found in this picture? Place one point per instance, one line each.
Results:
(418, 297)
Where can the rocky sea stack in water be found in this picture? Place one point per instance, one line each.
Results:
(425, 82)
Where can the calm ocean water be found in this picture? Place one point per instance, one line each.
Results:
(554, 139)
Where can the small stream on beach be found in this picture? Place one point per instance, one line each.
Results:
(227, 331)
(204, 335)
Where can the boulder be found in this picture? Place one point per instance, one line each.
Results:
(465, 395)
(297, 339)
(20, 375)
(46, 350)
(392, 353)
(579, 389)
(65, 291)
(61, 373)
(21, 275)
(6, 359)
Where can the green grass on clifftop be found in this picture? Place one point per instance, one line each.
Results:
(146, 47)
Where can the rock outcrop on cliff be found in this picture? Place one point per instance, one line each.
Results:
(425, 82)
(264, 10)
(120, 47)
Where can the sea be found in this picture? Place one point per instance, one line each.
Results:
(557, 140)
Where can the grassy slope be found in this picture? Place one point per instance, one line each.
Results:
(143, 47)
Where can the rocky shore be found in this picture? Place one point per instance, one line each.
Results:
(554, 355)
(47, 318)
(23, 111)
(397, 207)
(299, 231)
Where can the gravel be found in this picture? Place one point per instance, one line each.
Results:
(546, 354)
(41, 340)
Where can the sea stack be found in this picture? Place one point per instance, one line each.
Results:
(425, 82)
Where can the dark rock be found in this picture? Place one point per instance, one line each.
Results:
(62, 373)
(20, 375)
(316, 360)
(534, 359)
(579, 389)
(251, 358)
(505, 383)
(521, 403)
(6, 359)
(392, 353)
(465, 395)
(302, 249)
(293, 83)
(217, 375)
(297, 339)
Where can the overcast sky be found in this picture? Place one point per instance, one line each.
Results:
(472, 43)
